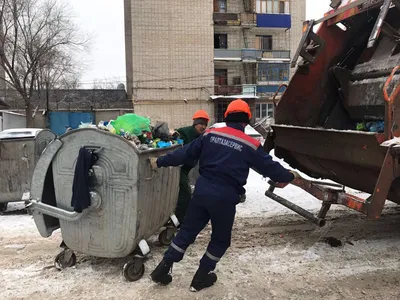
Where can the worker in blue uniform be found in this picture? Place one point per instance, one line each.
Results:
(225, 156)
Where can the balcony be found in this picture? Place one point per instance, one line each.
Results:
(246, 55)
(248, 20)
(228, 54)
(250, 55)
(275, 55)
(282, 21)
(249, 89)
(227, 90)
(268, 90)
(229, 19)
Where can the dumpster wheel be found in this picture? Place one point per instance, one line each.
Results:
(166, 236)
(65, 260)
(134, 269)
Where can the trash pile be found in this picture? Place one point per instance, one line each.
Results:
(376, 126)
(139, 131)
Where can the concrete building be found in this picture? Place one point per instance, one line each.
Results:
(187, 55)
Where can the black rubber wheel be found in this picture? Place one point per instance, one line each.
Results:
(133, 270)
(164, 238)
(60, 262)
(3, 206)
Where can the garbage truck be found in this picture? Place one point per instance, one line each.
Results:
(339, 116)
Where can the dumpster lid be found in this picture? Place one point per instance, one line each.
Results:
(19, 133)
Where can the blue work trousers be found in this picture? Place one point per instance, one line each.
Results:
(209, 202)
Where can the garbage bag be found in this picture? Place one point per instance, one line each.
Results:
(161, 131)
(131, 123)
(162, 144)
(376, 126)
(87, 125)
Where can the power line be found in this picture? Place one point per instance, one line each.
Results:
(188, 80)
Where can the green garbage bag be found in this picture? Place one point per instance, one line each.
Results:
(131, 123)
(361, 127)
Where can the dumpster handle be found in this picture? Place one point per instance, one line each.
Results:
(94, 149)
(152, 172)
(38, 208)
(152, 177)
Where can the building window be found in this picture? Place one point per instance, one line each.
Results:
(220, 6)
(220, 41)
(264, 42)
(282, 7)
(221, 77)
(237, 80)
(273, 72)
(273, 6)
(221, 107)
(264, 110)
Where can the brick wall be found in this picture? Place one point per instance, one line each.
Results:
(172, 52)
(171, 47)
(177, 114)
(298, 10)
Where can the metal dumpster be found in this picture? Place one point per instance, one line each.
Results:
(20, 149)
(129, 201)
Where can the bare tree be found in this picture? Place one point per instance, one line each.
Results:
(37, 46)
(61, 71)
(105, 84)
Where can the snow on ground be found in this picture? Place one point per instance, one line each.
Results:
(257, 204)
(16, 224)
(274, 255)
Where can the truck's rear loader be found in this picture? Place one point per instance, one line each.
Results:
(348, 76)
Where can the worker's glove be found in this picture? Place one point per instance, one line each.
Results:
(176, 135)
(153, 163)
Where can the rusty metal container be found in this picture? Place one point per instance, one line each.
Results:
(347, 75)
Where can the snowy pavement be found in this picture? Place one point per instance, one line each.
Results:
(275, 254)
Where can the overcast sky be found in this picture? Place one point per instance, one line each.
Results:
(105, 21)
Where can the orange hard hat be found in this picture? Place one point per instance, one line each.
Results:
(201, 114)
(238, 106)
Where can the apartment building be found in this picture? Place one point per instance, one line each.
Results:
(187, 55)
(253, 43)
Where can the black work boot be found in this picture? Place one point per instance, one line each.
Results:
(161, 274)
(202, 279)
